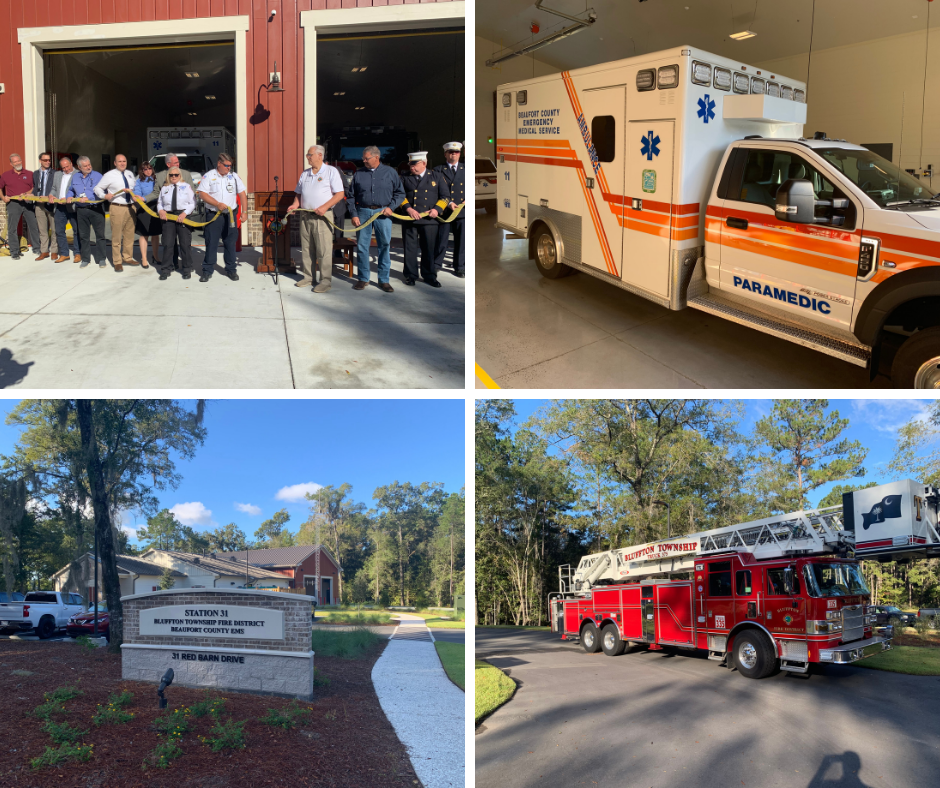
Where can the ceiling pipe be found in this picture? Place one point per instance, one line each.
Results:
(579, 25)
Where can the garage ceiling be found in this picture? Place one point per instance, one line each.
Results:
(628, 27)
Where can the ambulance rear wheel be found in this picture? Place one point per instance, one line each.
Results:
(590, 642)
(610, 641)
(546, 256)
(917, 364)
(753, 655)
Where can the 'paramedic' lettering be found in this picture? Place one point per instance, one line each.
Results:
(787, 296)
(587, 143)
(538, 121)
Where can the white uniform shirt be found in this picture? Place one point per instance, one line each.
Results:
(185, 199)
(317, 188)
(222, 188)
(64, 183)
(112, 182)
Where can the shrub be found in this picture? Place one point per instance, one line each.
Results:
(85, 642)
(113, 712)
(922, 625)
(166, 751)
(287, 718)
(174, 724)
(208, 705)
(62, 733)
(55, 701)
(319, 680)
(64, 753)
(227, 735)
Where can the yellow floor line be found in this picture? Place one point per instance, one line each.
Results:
(487, 380)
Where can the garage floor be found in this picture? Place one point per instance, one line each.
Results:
(579, 332)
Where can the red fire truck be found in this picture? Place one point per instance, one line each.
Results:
(782, 592)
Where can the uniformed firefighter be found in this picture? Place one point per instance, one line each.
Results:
(425, 192)
(453, 173)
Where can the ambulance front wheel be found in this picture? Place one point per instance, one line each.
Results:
(917, 364)
(590, 642)
(610, 641)
(546, 256)
(754, 655)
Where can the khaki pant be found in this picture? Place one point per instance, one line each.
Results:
(122, 229)
(45, 218)
(316, 245)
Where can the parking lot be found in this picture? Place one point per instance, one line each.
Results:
(676, 719)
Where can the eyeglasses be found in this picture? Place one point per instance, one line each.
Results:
(45, 160)
(227, 165)
(175, 175)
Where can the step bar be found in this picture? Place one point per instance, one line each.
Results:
(798, 333)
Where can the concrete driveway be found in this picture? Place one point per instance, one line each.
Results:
(677, 719)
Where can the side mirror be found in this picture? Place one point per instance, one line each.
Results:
(796, 202)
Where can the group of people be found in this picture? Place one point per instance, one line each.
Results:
(428, 202)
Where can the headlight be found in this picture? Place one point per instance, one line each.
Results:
(833, 614)
(822, 627)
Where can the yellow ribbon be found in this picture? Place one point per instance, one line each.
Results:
(55, 200)
(173, 216)
(379, 215)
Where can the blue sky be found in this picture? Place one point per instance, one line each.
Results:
(872, 422)
(262, 455)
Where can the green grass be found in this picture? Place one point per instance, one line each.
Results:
(906, 659)
(493, 689)
(452, 658)
(364, 617)
(351, 644)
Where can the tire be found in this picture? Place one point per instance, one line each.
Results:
(590, 642)
(46, 628)
(546, 256)
(754, 655)
(917, 363)
(610, 641)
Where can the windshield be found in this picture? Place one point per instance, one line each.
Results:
(484, 167)
(826, 580)
(881, 180)
(101, 607)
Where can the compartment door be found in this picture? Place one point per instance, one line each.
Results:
(631, 625)
(674, 614)
(507, 210)
(647, 209)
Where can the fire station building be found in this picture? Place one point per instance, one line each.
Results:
(97, 78)
(299, 564)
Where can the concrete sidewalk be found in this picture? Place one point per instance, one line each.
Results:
(423, 705)
(66, 327)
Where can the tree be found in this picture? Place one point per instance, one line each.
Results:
(804, 450)
(338, 516)
(167, 581)
(917, 448)
(12, 512)
(273, 533)
(162, 532)
(228, 539)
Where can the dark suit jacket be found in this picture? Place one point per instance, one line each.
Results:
(50, 176)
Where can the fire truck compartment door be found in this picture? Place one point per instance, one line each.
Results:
(647, 205)
(507, 209)
(632, 625)
(674, 614)
(572, 618)
(808, 271)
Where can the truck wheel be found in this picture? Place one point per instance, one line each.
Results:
(546, 256)
(610, 641)
(917, 363)
(46, 628)
(753, 655)
(589, 640)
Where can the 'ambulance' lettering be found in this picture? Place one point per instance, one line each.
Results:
(787, 296)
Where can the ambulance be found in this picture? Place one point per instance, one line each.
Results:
(684, 177)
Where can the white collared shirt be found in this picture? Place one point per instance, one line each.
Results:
(112, 182)
(317, 188)
(185, 199)
(222, 188)
(64, 184)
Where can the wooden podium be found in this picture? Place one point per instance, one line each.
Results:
(264, 202)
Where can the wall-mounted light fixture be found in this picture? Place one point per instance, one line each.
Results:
(274, 86)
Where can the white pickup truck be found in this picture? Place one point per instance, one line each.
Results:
(41, 611)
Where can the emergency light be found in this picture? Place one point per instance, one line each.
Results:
(722, 78)
(646, 79)
(757, 85)
(799, 96)
(669, 77)
(786, 92)
(773, 89)
(701, 73)
(741, 83)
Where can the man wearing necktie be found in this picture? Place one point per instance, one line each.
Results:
(45, 213)
(116, 186)
(176, 202)
(453, 173)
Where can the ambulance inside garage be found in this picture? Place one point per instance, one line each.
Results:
(648, 156)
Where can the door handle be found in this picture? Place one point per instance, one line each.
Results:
(738, 224)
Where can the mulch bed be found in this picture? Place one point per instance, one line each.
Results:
(356, 748)
(930, 640)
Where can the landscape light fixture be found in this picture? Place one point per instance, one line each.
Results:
(165, 682)
(743, 34)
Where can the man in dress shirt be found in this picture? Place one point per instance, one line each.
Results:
(117, 187)
(177, 200)
(221, 189)
(375, 188)
(172, 160)
(14, 183)
(90, 217)
(453, 172)
(425, 191)
(64, 214)
(320, 188)
(45, 215)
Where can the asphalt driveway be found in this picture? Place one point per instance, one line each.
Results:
(666, 719)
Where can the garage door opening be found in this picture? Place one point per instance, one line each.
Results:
(102, 101)
(401, 91)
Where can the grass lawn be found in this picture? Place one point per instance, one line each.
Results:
(351, 644)
(906, 659)
(452, 658)
(373, 617)
(493, 689)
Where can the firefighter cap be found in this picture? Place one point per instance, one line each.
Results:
(421, 155)
(453, 146)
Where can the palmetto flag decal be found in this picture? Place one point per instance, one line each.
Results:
(889, 507)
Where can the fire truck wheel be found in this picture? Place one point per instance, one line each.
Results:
(610, 641)
(753, 655)
(590, 642)
(546, 256)
(917, 363)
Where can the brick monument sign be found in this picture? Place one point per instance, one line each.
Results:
(237, 639)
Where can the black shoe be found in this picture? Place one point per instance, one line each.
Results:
(232, 275)
(16, 256)
(187, 275)
(204, 278)
(164, 276)
(432, 283)
(460, 274)
(409, 281)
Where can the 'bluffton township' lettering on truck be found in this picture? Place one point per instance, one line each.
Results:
(538, 122)
(659, 550)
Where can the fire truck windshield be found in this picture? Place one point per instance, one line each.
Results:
(824, 580)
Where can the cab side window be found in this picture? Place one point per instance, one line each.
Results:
(776, 585)
(742, 582)
(719, 579)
